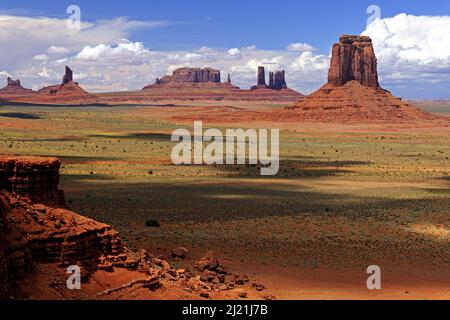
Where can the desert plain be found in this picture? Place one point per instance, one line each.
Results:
(347, 195)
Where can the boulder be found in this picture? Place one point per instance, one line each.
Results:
(179, 252)
(207, 262)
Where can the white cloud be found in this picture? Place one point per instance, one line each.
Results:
(4, 74)
(44, 73)
(300, 47)
(41, 57)
(234, 51)
(57, 50)
(122, 52)
(412, 48)
(31, 36)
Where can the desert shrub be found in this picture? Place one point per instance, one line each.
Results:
(152, 223)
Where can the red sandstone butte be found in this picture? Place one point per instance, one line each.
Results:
(353, 92)
(353, 58)
(14, 87)
(191, 75)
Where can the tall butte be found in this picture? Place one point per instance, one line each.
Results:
(353, 92)
(353, 58)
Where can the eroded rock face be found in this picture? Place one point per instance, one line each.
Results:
(271, 80)
(33, 177)
(59, 235)
(68, 76)
(353, 58)
(192, 75)
(278, 80)
(11, 82)
(353, 93)
(261, 78)
(34, 233)
(14, 87)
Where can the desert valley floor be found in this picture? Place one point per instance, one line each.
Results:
(347, 195)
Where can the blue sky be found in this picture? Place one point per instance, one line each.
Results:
(270, 26)
(236, 23)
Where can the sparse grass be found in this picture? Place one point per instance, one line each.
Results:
(152, 223)
(387, 192)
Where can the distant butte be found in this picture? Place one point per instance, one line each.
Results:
(67, 87)
(277, 80)
(205, 84)
(68, 76)
(353, 92)
(14, 87)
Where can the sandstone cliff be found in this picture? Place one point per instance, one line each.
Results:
(33, 177)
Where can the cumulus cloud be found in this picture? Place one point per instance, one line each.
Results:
(41, 57)
(234, 52)
(127, 52)
(57, 50)
(300, 47)
(31, 36)
(412, 49)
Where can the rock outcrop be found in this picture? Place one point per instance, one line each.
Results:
(68, 76)
(11, 82)
(14, 87)
(34, 233)
(353, 92)
(67, 90)
(33, 177)
(353, 59)
(38, 243)
(261, 77)
(278, 80)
